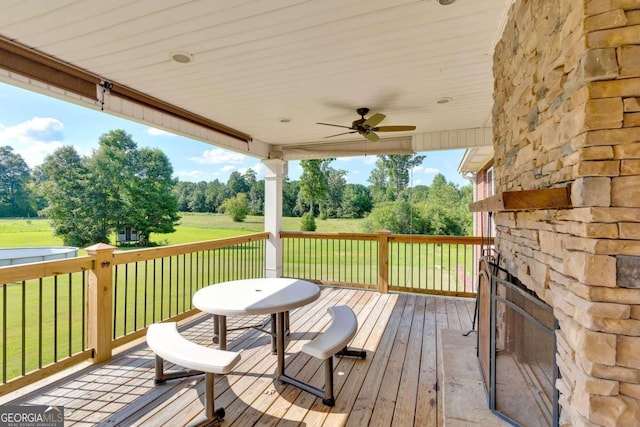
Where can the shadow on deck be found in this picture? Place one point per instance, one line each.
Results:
(396, 385)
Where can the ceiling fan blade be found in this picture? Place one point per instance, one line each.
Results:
(338, 134)
(371, 136)
(330, 124)
(393, 128)
(374, 120)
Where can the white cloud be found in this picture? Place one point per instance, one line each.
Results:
(370, 160)
(425, 170)
(258, 168)
(34, 139)
(217, 156)
(158, 132)
(196, 175)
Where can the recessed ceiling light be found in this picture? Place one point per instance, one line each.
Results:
(445, 2)
(181, 57)
(444, 100)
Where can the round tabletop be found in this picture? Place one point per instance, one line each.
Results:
(255, 296)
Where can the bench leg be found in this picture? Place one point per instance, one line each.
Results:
(328, 399)
(274, 335)
(162, 376)
(216, 329)
(325, 394)
(211, 416)
(287, 323)
(347, 352)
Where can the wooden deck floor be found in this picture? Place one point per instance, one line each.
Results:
(395, 386)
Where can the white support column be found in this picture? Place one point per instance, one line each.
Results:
(273, 178)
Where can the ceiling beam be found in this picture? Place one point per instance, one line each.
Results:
(50, 71)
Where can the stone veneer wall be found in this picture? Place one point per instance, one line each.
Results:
(567, 111)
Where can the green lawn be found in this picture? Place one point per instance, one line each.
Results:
(193, 227)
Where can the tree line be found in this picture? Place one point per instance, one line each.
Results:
(119, 185)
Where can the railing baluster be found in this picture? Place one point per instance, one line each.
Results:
(170, 283)
(55, 318)
(125, 309)
(135, 301)
(23, 304)
(4, 333)
(146, 291)
(184, 282)
(115, 301)
(69, 316)
(84, 310)
(40, 323)
(153, 292)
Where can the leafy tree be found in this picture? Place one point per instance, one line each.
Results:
(118, 185)
(308, 222)
(445, 209)
(154, 207)
(392, 174)
(441, 220)
(236, 184)
(197, 199)
(399, 217)
(256, 192)
(111, 168)
(419, 194)
(356, 201)
(290, 190)
(181, 191)
(378, 180)
(214, 195)
(236, 207)
(38, 199)
(65, 189)
(336, 185)
(314, 182)
(14, 180)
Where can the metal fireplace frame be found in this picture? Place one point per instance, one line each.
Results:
(511, 283)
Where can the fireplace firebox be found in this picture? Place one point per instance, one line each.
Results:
(516, 349)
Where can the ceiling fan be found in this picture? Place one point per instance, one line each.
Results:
(368, 127)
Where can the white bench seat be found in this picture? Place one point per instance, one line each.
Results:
(344, 325)
(167, 344)
(333, 341)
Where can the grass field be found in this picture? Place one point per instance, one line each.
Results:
(193, 227)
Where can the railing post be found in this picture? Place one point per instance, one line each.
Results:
(99, 301)
(383, 261)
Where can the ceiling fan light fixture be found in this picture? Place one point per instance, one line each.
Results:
(445, 2)
(181, 57)
(444, 100)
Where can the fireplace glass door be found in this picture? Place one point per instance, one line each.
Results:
(523, 351)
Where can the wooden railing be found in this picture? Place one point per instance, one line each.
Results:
(55, 314)
(443, 265)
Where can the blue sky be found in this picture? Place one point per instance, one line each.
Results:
(36, 125)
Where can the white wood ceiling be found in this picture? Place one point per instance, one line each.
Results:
(257, 61)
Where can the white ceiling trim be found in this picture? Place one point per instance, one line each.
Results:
(34, 85)
(130, 110)
(453, 139)
(328, 149)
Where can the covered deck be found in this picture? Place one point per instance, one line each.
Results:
(396, 385)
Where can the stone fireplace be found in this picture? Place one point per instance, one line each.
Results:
(567, 114)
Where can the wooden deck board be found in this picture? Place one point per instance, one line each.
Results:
(395, 385)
